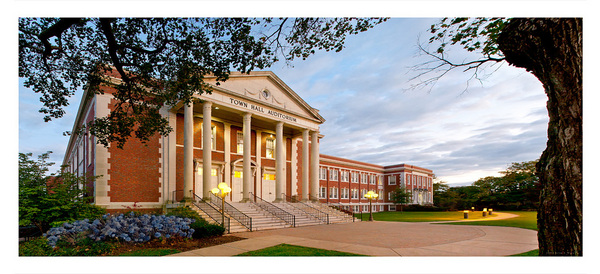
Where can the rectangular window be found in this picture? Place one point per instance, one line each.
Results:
(392, 180)
(333, 192)
(354, 193)
(363, 178)
(213, 136)
(363, 192)
(355, 208)
(389, 196)
(269, 176)
(90, 148)
(333, 175)
(344, 176)
(240, 142)
(345, 193)
(392, 207)
(323, 192)
(354, 177)
(372, 179)
(380, 197)
(322, 173)
(213, 171)
(270, 148)
(365, 208)
(238, 174)
(380, 207)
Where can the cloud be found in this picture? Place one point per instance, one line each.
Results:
(373, 117)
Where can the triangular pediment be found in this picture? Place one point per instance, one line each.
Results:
(266, 88)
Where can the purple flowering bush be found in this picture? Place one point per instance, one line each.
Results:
(128, 228)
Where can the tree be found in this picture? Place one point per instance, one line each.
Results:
(45, 201)
(400, 196)
(159, 61)
(552, 50)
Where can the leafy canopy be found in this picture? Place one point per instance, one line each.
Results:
(50, 200)
(159, 61)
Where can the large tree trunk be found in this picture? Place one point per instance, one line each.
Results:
(551, 49)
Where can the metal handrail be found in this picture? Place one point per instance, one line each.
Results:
(338, 207)
(214, 214)
(275, 211)
(233, 212)
(332, 210)
(320, 215)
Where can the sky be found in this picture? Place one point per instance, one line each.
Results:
(461, 132)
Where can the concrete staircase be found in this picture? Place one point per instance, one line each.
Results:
(202, 209)
(261, 219)
(302, 217)
(335, 216)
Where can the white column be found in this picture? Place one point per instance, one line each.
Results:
(227, 168)
(305, 165)
(247, 178)
(206, 148)
(314, 165)
(188, 150)
(279, 162)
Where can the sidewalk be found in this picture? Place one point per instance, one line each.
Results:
(388, 239)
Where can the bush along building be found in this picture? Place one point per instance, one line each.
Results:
(255, 134)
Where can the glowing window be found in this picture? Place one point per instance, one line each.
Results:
(268, 176)
(270, 148)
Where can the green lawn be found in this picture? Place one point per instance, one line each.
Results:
(526, 219)
(420, 216)
(151, 252)
(535, 252)
(294, 250)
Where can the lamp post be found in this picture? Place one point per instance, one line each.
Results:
(222, 190)
(371, 195)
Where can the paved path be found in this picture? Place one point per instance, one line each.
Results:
(388, 239)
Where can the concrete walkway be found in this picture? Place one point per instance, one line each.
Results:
(388, 239)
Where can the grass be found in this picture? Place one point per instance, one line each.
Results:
(421, 216)
(294, 250)
(150, 252)
(535, 252)
(526, 219)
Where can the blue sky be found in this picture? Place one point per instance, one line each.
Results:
(372, 114)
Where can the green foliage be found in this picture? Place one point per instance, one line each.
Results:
(151, 252)
(473, 34)
(400, 196)
(46, 201)
(201, 227)
(525, 219)
(294, 250)
(518, 188)
(82, 247)
(202, 230)
(160, 60)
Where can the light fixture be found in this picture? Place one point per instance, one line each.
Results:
(371, 195)
(224, 189)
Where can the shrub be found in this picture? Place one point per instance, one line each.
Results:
(205, 229)
(128, 228)
(201, 227)
(35, 247)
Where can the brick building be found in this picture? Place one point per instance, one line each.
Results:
(256, 125)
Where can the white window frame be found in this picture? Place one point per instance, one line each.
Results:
(392, 180)
(372, 179)
(323, 192)
(213, 137)
(333, 193)
(333, 174)
(270, 146)
(344, 176)
(240, 142)
(322, 173)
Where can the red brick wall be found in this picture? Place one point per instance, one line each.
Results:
(134, 170)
